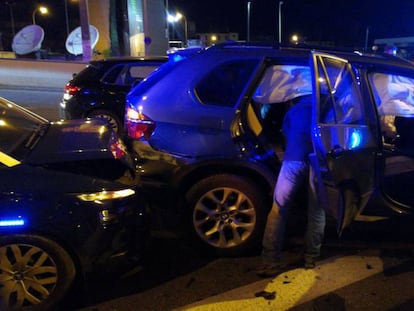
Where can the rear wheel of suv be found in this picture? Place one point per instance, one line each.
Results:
(112, 119)
(228, 213)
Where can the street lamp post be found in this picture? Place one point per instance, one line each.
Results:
(167, 30)
(248, 21)
(42, 9)
(67, 18)
(366, 38)
(280, 21)
(10, 4)
(185, 31)
(175, 18)
(86, 36)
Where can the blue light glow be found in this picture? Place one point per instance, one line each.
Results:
(12, 223)
(355, 140)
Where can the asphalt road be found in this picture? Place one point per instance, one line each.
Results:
(366, 269)
(371, 267)
(44, 102)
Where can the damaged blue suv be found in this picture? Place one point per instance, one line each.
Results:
(206, 130)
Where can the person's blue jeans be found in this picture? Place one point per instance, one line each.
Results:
(291, 177)
(315, 229)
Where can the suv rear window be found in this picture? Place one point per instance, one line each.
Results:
(224, 84)
(155, 76)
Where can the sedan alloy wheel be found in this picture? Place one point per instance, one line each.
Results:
(113, 121)
(35, 273)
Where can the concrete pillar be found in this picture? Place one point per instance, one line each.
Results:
(99, 17)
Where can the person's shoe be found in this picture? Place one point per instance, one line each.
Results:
(309, 262)
(270, 270)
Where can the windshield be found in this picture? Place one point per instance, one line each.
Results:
(17, 127)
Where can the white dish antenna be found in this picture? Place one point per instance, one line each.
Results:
(74, 40)
(27, 40)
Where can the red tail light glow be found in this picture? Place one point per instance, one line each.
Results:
(138, 124)
(71, 89)
(117, 147)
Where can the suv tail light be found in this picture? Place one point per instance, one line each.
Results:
(71, 89)
(138, 124)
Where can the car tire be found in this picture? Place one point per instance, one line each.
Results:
(36, 273)
(227, 214)
(111, 118)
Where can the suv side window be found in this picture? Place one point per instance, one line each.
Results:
(394, 98)
(278, 86)
(394, 94)
(224, 84)
(340, 100)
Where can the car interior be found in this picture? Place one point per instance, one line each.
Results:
(395, 102)
(275, 93)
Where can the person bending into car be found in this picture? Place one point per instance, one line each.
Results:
(294, 174)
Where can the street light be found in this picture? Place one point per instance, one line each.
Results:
(42, 9)
(294, 39)
(280, 21)
(177, 17)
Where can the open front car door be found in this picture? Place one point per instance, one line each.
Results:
(344, 144)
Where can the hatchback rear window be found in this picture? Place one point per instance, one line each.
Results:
(112, 76)
(92, 72)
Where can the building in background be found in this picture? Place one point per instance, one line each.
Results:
(207, 39)
(401, 46)
(129, 27)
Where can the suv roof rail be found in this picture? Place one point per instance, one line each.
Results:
(275, 45)
(244, 44)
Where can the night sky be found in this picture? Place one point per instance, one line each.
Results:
(343, 22)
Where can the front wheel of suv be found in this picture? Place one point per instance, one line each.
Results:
(228, 214)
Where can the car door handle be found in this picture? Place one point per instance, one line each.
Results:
(336, 152)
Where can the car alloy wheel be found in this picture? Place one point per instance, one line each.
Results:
(228, 213)
(112, 120)
(35, 273)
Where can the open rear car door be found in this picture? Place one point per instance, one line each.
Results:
(344, 143)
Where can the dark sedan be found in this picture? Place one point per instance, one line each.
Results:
(99, 90)
(69, 204)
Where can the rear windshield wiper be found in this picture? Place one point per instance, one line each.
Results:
(37, 133)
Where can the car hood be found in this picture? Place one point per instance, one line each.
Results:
(37, 180)
(73, 140)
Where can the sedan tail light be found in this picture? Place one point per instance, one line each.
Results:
(138, 124)
(117, 147)
(71, 89)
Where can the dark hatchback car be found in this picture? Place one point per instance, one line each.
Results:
(69, 205)
(206, 131)
(99, 90)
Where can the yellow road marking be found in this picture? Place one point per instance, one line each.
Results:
(8, 160)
